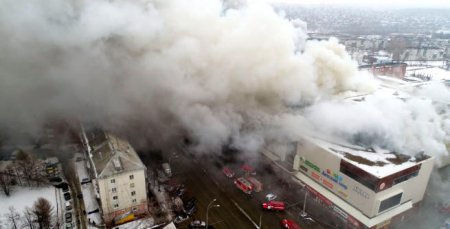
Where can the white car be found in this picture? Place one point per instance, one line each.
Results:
(446, 224)
(271, 196)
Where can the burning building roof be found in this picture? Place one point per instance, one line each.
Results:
(378, 162)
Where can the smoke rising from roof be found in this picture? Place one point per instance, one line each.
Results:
(164, 67)
(234, 73)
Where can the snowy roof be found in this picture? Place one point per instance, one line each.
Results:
(378, 162)
(112, 155)
(435, 73)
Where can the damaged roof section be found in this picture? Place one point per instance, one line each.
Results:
(378, 162)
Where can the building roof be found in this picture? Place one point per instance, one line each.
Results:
(113, 155)
(378, 162)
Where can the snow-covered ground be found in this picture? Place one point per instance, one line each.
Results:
(23, 197)
(435, 73)
(89, 197)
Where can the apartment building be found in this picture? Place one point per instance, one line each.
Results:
(119, 176)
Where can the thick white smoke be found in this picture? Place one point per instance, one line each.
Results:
(167, 68)
(234, 73)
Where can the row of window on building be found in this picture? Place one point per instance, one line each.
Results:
(113, 181)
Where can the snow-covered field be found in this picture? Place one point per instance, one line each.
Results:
(23, 197)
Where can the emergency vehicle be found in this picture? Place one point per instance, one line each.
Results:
(289, 224)
(274, 205)
(244, 185)
(256, 185)
(228, 172)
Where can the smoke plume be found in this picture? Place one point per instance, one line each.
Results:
(165, 68)
(233, 73)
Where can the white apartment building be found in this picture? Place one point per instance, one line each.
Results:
(366, 187)
(119, 176)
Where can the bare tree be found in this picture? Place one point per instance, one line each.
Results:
(27, 166)
(28, 218)
(5, 182)
(13, 217)
(43, 210)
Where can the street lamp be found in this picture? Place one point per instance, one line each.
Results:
(303, 214)
(207, 209)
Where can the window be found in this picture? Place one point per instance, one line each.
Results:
(114, 190)
(132, 185)
(115, 197)
(131, 177)
(359, 175)
(134, 201)
(406, 177)
(113, 181)
(390, 202)
(133, 193)
(116, 205)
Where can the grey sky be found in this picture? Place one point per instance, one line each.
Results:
(379, 3)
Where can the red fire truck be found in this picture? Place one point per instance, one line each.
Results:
(244, 185)
(256, 185)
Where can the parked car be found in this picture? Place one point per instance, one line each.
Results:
(68, 217)
(189, 203)
(178, 190)
(270, 197)
(274, 205)
(67, 196)
(289, 224)
(85, 180)
(65, 188)
(197, 224)
(190, 210)
(68, 206)
(69, 225)
(228, 172)
(181, 217)
(55, 180)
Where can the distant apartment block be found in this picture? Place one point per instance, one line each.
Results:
(393, 69)
(119, 176)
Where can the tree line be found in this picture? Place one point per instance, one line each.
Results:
(39, 216)
(25, 170)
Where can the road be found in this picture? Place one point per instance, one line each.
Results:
(200, 186)
(206, 182)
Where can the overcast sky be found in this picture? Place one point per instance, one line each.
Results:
(381, 3)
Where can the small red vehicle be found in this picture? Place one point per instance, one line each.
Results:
(228, 172)
(248, 169)
(244, 185)
(289, 224)
(274, 205)
(445, 207)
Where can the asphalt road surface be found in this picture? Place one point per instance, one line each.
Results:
(237, 210)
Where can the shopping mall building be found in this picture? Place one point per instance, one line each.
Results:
(364, 187)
